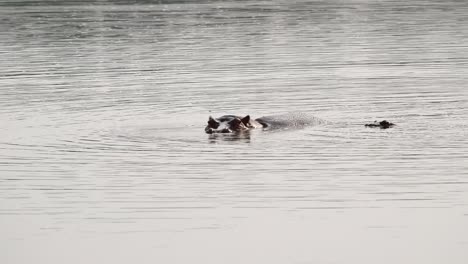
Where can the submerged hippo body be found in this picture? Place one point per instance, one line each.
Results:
(233, 123)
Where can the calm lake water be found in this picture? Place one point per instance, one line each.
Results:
(104, 159)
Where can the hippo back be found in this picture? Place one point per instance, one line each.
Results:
(289, 120)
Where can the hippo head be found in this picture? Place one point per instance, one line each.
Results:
(227, 124)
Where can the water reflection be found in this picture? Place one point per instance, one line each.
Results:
(243, 136)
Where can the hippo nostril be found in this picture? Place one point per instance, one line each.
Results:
(226, 130)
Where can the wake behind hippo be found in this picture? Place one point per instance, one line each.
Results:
(234, 123)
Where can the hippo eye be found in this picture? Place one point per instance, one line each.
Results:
(235, 122)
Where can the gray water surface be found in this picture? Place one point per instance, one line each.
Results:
(104, 159)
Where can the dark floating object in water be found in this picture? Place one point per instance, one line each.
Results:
(382, 124)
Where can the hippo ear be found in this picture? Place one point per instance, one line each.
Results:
(212, 120)
(212, 123)
(246, 119)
